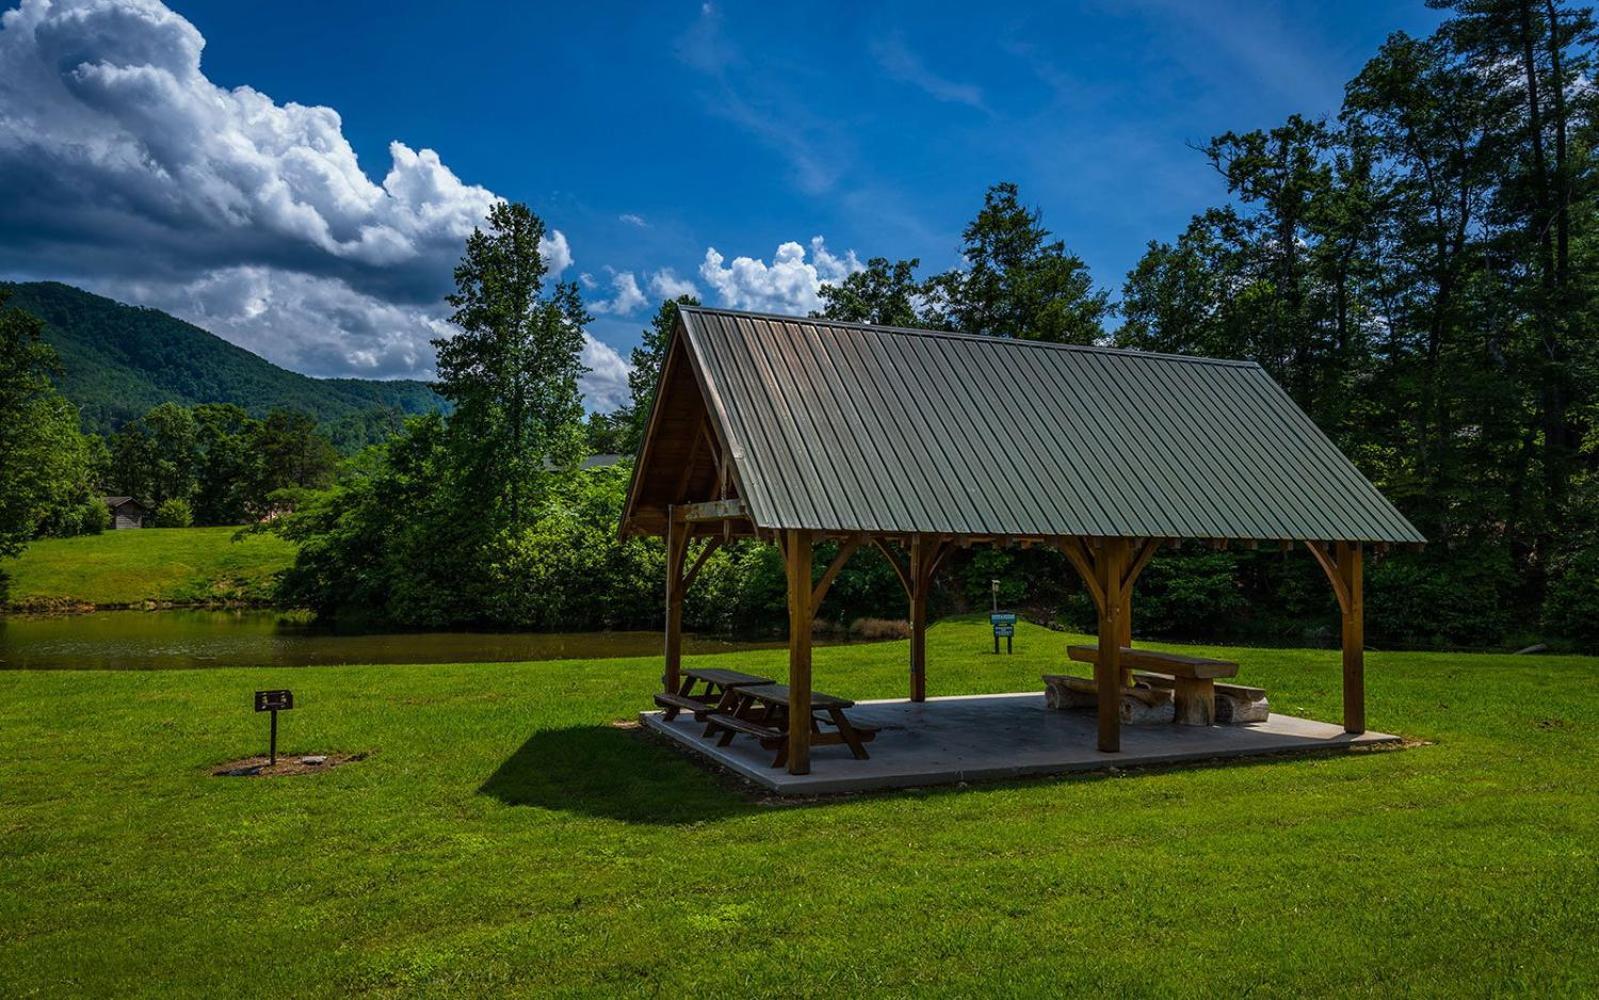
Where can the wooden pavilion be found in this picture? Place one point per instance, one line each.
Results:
(916, 443)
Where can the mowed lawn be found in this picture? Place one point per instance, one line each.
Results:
(506, 837)
(182, 565)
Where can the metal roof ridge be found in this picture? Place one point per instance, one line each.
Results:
(1124, 352)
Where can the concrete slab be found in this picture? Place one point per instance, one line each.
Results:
(970, 738)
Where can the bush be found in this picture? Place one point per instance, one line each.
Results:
(1571, 611)
(880, 628)
(173, 513)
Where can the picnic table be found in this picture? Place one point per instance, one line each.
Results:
(1193, 678)
(715, 684)
(762, 711)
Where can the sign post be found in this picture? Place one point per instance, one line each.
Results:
(1004, 623)
(282, 701)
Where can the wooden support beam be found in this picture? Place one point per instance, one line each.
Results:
(712, 510)
(800, 612)
(895, 563)
(1343, 564)
(711, 545)
(919, 575)
(1111, 570)
(1082, 559)
(845, 550)
(1350, 561)
(677, 536)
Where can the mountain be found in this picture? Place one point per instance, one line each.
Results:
(119, 360)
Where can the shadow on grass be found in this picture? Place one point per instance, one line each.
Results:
(612, 773)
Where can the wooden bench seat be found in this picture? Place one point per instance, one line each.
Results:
(1193, 677)
(732, 724)
(684, 703)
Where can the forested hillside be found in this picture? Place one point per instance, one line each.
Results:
(118, 361)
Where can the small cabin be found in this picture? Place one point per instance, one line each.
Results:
(126, 512)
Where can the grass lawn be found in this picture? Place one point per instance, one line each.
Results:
(183, 565)
(505, 837)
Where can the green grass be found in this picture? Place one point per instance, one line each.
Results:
(505, 838)
(118, 568)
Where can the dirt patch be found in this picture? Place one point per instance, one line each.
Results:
(259, 767)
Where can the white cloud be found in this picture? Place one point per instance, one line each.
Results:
(633, 220)
(125, 169)
(605, 384)
(904, 65)
(789, 284)
(625, 296)
(556, 253)
(665, 284)
(300, 321)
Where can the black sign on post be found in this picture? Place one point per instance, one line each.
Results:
(274, 702)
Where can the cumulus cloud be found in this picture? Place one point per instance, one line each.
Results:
(124, 168)
(605, 384)
(556, 253)
(790, 284)
(625, 296)
(665, 284)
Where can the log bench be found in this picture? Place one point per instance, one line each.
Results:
(1235, 703)
(1138, 706)
(1193, 678)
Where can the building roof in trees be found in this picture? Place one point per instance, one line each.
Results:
(843, 427)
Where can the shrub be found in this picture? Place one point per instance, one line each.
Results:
(173, 513)
(880, 628)
(1571, 611)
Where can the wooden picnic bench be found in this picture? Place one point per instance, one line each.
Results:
(762, 711)
(1192, 678)
(716, 682)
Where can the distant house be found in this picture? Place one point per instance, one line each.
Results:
(126, 512)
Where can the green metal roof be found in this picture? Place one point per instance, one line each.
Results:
(844, 427)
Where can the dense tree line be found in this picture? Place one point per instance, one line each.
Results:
(47, 466)
(1416, 271)
(215, 464)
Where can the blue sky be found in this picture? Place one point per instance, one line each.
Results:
(647, 134)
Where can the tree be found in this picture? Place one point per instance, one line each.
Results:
(292, 455)
(158, 456)
(647, 359)
(46, 475)
(608, 433)
(884, 294)
(1018, 282)
(512, 370)
(173, 513)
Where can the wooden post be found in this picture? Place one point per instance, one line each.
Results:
(919, 579)
(1354, 637)
(677, 534)
(1124, 631)
(1111, 567)
(1343, 568)
(798, 552)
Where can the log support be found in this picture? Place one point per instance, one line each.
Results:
(1343, 564)
(1109, 567)
(677, 536)
(797, 558)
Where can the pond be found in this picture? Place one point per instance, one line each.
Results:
(176, 640)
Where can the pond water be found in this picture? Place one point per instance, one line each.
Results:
(175, 640)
